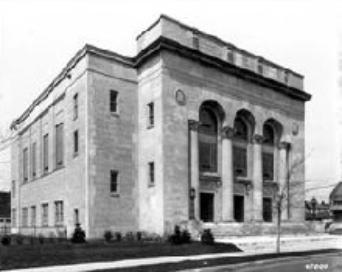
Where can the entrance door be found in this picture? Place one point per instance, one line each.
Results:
(267, 209)
(239, 208)
(207, 207)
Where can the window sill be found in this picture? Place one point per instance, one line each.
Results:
(151, 185)
(243, 180)
(115, 114)
(75, 154)
(115, 194)
(150, 126)
(210, 176)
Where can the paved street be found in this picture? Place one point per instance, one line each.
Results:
(331, 262)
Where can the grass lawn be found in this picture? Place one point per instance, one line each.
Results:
(22, 256)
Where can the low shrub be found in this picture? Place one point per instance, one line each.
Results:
(41, 238)
(108, 235)
(179, 237)
(129, 236)
(207, 237)
(6, 240)
(79, 235)
(139, 236)
(118, 236)
(19, 239)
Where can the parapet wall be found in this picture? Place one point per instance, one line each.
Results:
(213, 46)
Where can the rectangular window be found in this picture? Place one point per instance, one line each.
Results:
(113, 101)
(114, 181)
(239, 208)
(75, 142)
(208, 156)
(25, 164)
(75, 102)
(33, 216)
(34, 160)
(59, 145)
(267, 166)
(14, 217)
(240, 161)
(151, 173)
(150, 107)
(267, 209)
(59, 213)
(13, 188)
(24, 217)
(45, 214)
(76, 217)
(46, 153)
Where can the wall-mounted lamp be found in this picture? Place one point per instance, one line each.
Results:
(192, 193)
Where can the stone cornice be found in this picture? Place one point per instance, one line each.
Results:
(227, 132)
(163, 43)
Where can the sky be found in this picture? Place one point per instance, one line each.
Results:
(37, 38)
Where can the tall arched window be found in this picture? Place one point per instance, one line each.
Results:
(240, 147)
(268, 152)
(207, 137)
(272, 131)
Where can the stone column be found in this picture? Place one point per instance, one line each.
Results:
(194, 167)
(257, 178)
(227, 174)
(283, 178)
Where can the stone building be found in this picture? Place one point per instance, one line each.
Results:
(192, 130)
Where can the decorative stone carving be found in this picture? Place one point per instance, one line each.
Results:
(227, 132)
(258, 139)
(284, 145)
(193, 125)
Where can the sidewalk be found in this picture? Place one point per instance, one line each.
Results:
(257, 245)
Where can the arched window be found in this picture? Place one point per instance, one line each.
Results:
(268, 134)
(271, 133)
(208, 128)
(241, 137)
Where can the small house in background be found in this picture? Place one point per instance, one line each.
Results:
(335, 199)
(5, 212)
(316, 211)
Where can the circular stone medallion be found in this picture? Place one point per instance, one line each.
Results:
(180, 97)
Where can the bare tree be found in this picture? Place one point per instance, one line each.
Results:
(283, 196)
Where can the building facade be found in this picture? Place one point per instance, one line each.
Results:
(191, 131)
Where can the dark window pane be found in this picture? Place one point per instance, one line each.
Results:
(240, 161)
(75, 141)
(207, 141)
(267, 166)
(267, 209)
(75, 106)
(46, 152)
(113, 101)
(59, 144)
(113, 181)
(150, 114)
(268, 134)
(34, 159)
(241, 129)
(25, 164)
(151, 172)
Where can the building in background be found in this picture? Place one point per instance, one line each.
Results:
(191, 131)
(5, 212)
